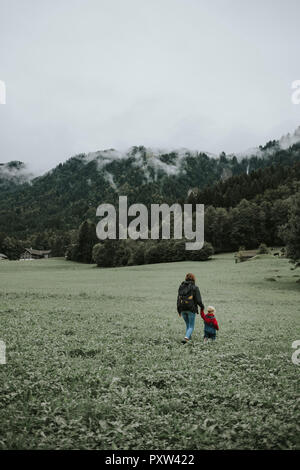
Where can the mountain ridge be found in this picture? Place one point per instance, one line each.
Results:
(168, 160)
(63, 197)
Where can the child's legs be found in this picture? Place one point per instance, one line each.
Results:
(208, 336)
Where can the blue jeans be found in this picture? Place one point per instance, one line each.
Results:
(189, 318)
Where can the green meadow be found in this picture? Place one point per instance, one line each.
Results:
(95, 360)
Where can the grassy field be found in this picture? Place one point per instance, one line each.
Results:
(94, 359)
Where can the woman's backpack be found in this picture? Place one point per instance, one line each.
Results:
(186, 296)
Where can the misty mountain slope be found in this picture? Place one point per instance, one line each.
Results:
(74, 189)
(63, 197)
(267, 184)
(273, 146)
(84, 181)
(12, 174)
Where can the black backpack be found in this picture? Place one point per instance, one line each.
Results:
(186, 296)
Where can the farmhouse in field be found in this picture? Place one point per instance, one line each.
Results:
(30, 253)
(245, 255)
(3, 256)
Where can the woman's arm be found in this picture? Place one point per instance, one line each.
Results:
(178, 305)
(198, 298)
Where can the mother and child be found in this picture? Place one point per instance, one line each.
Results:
(188, 300)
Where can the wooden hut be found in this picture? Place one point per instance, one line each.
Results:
(245, 255)
(30, 253)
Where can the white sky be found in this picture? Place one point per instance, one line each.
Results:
(85, 75)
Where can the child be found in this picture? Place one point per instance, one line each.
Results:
(210, 323)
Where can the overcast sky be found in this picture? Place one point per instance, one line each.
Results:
(85, 75)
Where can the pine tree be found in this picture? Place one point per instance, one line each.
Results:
(291, 233)
(86, 240)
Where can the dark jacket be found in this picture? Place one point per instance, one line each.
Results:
(196, 298)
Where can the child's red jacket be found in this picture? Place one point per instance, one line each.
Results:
(210, 319)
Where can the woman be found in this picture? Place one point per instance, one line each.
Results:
(188, 299)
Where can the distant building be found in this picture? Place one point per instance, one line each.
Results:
(30, 253)
(245, 255)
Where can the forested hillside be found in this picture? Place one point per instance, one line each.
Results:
(283, 168)
(65, 196)
(247, 199)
